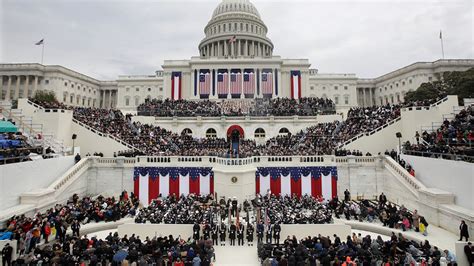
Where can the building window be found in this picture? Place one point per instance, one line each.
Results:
(335, 88)
(336, 99)
(127, 101)
(65, 84)
(430, 78)
(284, 131)
(187, 131)
(46, 81)
(312, 88)
(161, 88)
(409, 81)
(346, 100)
(149, 89)
(211, 133)
(127, 89)
(137, 100)
(259, 133)
(324, 87)
(403, 83)
(345, 87)
(137, 89)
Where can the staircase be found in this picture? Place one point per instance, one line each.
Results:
(33, 131)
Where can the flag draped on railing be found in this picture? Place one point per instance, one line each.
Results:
(150, 182)
(313, 181)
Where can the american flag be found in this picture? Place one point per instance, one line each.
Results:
(204, 83)
(235, 83)
(223, 83)
(249, 83)
(267, 83)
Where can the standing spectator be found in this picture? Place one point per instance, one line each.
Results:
(75, 227)
(347, 195)
(7, 255)
(232, 231)
(469, 251)
(463, 231)
(77, 158)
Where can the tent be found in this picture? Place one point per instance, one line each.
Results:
(6, 126)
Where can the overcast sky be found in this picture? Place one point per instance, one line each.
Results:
(107, 38)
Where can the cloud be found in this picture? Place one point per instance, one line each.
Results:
(107, 38)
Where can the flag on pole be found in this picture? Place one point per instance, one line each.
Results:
(440, 34)
(233, 39)
(40, 42)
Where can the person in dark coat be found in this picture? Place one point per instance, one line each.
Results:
(206, 231)
(196, 231)
(75, 227)
(222, 233)
(7, 255)
(276, 233)
(269, 234)
(463, 231)
(469, 251)
(260, 231)
(232, 231)
(347, 195)
(250, 234)
(240, 235)
(215, 233)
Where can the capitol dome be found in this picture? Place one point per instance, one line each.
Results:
(231, 6)
(235, 30)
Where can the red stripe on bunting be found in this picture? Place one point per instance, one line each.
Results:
(212, 183)
(153, 188)
(179, 88)
(275, 185)
(194, 185)
(296, 186)
(299, 86)
(316, 187)
(136, 186)
(257, 184)
(334, 186)
(174, 186)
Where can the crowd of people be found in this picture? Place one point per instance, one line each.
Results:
(292, 210)
(28, 232)
(181, 210)
(239, 107)
(355, 250)
(453, 140)
(15, 148)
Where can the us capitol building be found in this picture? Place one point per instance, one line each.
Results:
(235, 61)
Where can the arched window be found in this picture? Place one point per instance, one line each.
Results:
(284, 131)
(259, 133)
(127, 101)
(211, 133)
(187, 131)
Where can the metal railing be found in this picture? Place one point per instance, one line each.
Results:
(445, 156)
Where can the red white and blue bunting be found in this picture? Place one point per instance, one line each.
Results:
(150, 182)
(313, 181)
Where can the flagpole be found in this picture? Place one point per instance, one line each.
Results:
(42, 52)
(442, 46)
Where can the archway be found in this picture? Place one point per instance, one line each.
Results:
(234, 134)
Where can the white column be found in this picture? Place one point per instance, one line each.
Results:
(25, 89)
(103, 100)
(7, 95)
(274, 80)
(35, 87)
(17, 88)
(225, 49)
